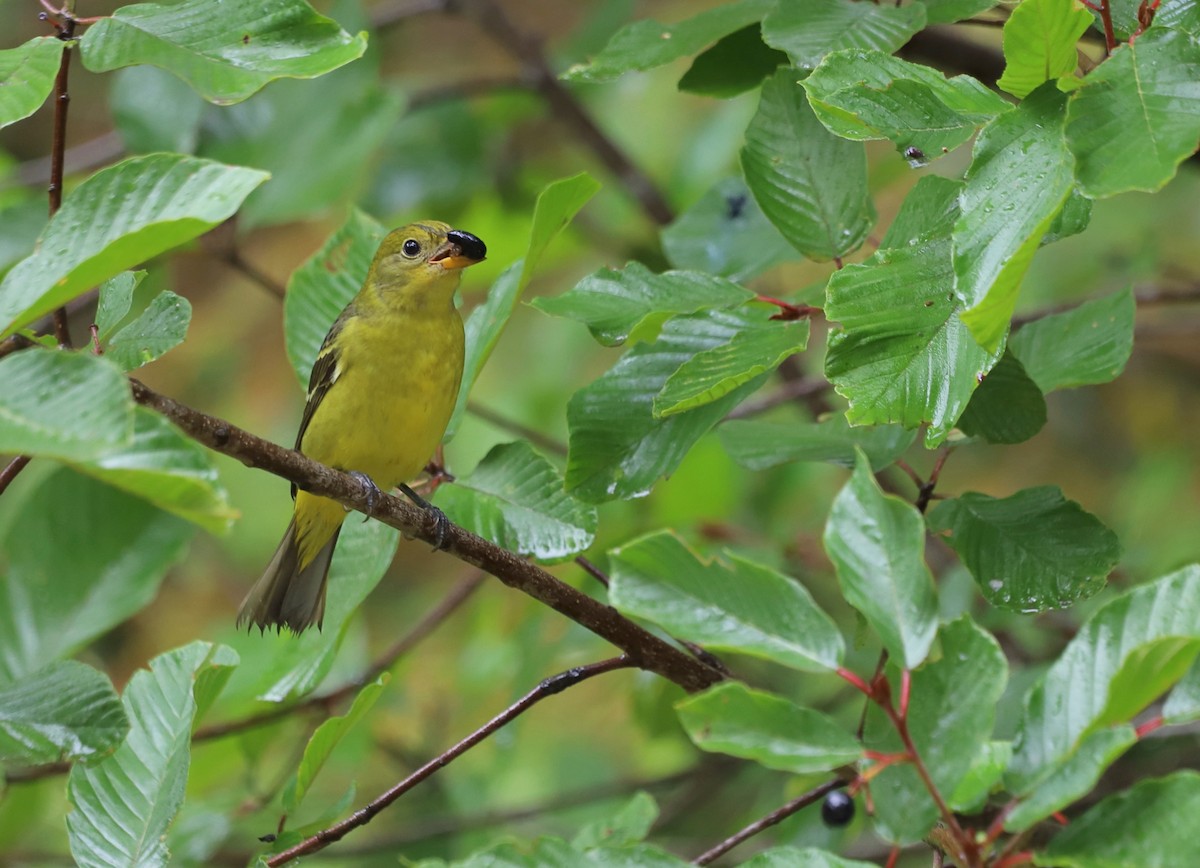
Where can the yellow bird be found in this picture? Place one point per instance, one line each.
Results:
(380, 396)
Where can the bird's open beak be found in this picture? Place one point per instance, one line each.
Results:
(459, 250)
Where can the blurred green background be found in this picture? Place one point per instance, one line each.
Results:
(439, 120)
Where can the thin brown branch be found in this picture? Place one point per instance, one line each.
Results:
(789, 391)
(644, 649)
(390, 13)
(1145, 297)
(83, 157)
(513, 427)
(549, 687)
(771, 819)
(494, 21)
(12, 470)
(58, 146)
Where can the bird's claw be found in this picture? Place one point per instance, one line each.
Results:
(441, 524)
(372, 491)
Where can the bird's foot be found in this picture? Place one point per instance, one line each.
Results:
(441, 524)
(370, 488)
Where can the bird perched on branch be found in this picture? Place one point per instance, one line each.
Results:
(380, 396)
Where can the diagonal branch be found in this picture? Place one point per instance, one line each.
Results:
(644, 649)
(549, 687)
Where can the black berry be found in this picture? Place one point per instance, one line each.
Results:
(837, 809)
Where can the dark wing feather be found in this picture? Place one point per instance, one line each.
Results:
(324, 373)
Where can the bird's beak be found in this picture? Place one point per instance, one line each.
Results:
(459, 250)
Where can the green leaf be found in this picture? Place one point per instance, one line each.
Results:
(1124, 657)
(1075, 778)
(732, 605)
(790, 857)
(556, 206)
(123, 805)
(1008, 406)
(759, 346)
(115, 299)
(629, 825)
(27, 77)
(863, 95)
(225, 57)
(320, 171)
(298, 664)
(877, 544)
(984, 776)
(929, 212)
(1020, 176)
(1149, 824)
(810, 183)
(737, 63)
(762, 445)
(1039, 43)
(1074, 217)
(327, 737)
(1137, 115)
(903, 354)
(1086, 345)
(752, 724)
(63, 405)
(514, 497)
(950, 11)
(725, 233)
(808, 31)
(324, 284)
(160, 327)
(59, 595)
(155, 111)
(65, 710)
(633, 303)
(120, 216)
(1183, 704)
(168, 469)
(1030, 552)
(618, 449)
(648, 44)
(950, 716)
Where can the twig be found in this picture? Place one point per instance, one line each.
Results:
(926, 489)
(789, 391)
(11, 471)
(494, 21)
(58, 146)
(549, 687)
(388, 13)
(513, 427)
(643, 648)
(1146, 297)
(776, 816)
(592, 570)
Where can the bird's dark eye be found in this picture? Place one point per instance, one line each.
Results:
(411, 247)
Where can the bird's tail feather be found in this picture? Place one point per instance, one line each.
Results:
(287, 595)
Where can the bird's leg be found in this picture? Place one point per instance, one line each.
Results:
(440, 523)
(371, 489)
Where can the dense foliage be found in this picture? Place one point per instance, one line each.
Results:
(860, 468)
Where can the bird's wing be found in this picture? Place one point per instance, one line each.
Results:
(324, 372)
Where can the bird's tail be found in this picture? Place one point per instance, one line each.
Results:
(289, 595)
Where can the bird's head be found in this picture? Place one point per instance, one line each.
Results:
(425, 252)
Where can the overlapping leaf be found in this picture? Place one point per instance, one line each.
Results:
(618, 448)
(1020, 176)
(950, 717)
(1039, 43)
(877, 544)
(1086, 345)
(515, 498)
(787, 162)
(225, 57)
(862, 95)
(1008, 406)
(26, 77)
(733, 719)
(736, 64)
(1032, 551)
(634, 302)
(122, 215)
(647, 44)
(123, 805)
(733, 605)
(761, 445)
(1137, 115)
(1125, 656)
(808, 31)
(160, 327)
